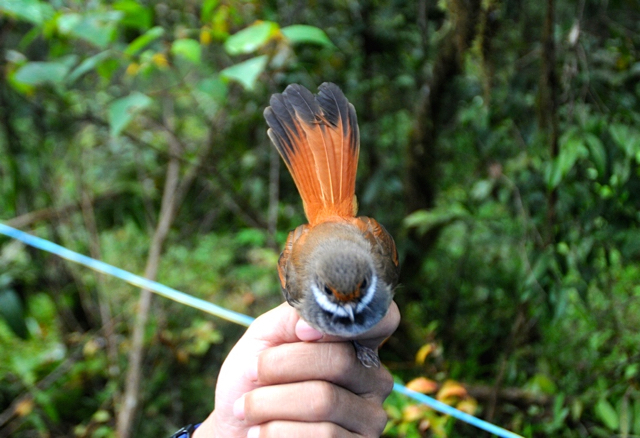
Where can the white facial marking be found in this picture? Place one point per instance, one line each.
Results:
(368, 295)
(347, 310)
(326, 304)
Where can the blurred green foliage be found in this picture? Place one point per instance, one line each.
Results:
(508, 169)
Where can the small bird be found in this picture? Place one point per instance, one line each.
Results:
(339, 271)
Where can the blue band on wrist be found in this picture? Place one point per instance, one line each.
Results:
(186, 431)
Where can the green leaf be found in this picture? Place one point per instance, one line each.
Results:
(135, 15)
(626, 137)
(301, 33)
(27, 10)
(87, 65)
(206, 12)
(571, 148)
(597, 152)
(542, 383)
(188, 49)
(144, 40)
(39, 73)
(607, 414)
(211, 94)
(482, 189)
(13, 313)
(247, 72)
(96, 28)
(250, 39)
(425, 220)
(122, 111)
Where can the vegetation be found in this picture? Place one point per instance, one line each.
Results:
(500, 146)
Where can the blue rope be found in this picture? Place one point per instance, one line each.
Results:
(223, 313)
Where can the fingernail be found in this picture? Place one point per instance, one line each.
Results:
(252, 369)
(307, 333)
(254, 432)
(238, 408)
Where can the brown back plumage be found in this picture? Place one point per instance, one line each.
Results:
(319, 141)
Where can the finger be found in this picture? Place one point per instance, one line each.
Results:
(294, 429)
(314, 402)
(371, 338)
(332, 362)
(278, 326)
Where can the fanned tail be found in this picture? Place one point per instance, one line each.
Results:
(319, 141)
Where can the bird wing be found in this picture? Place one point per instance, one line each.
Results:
(286, 271)
(383, 245)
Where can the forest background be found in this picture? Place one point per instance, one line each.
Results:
(500, 146)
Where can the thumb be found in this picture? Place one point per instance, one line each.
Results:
(280, 326)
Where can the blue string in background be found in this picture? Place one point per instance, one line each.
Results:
(223, 313)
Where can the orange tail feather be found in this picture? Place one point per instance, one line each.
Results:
(319, 141)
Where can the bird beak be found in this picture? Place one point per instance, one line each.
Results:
(349, 309)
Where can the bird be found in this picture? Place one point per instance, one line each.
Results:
(339, 271)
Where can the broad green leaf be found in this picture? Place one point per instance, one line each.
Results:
(27, 10)
(96, 28)
(607, 414)
(247, 72)
(552, 174)
(122, 111)
(144, 40)
(206, 12)
(250, 39)
(135, 14)
(636, 416)
(482, 189)
(66, 22)
(88, 65)
(425, 220)
(597, 152)
(12, 312)
(542, 383)
(188, 49)
(302, 33)
(101, 416)
(107, 68)
(39, 73)
(571, 148)
(626, 137)
(211, 94)
(214, 87)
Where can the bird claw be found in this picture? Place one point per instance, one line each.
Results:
(367, 357)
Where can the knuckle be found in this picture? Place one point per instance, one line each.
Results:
(386, 384)
(379, 421)
(249, 405)
(323, 396)
(329, 430)
(339, 357)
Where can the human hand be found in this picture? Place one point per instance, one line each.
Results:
(276, 383)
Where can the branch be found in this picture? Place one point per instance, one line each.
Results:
(49, 380)
(548, 112)
(29, 219)
(136, 355)
(174, 192)
(516, 396)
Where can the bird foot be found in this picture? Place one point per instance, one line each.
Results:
(367, 357)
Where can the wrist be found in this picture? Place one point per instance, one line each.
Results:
(186, 432)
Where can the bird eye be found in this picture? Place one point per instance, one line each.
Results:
(327, 290)
(364, 285)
